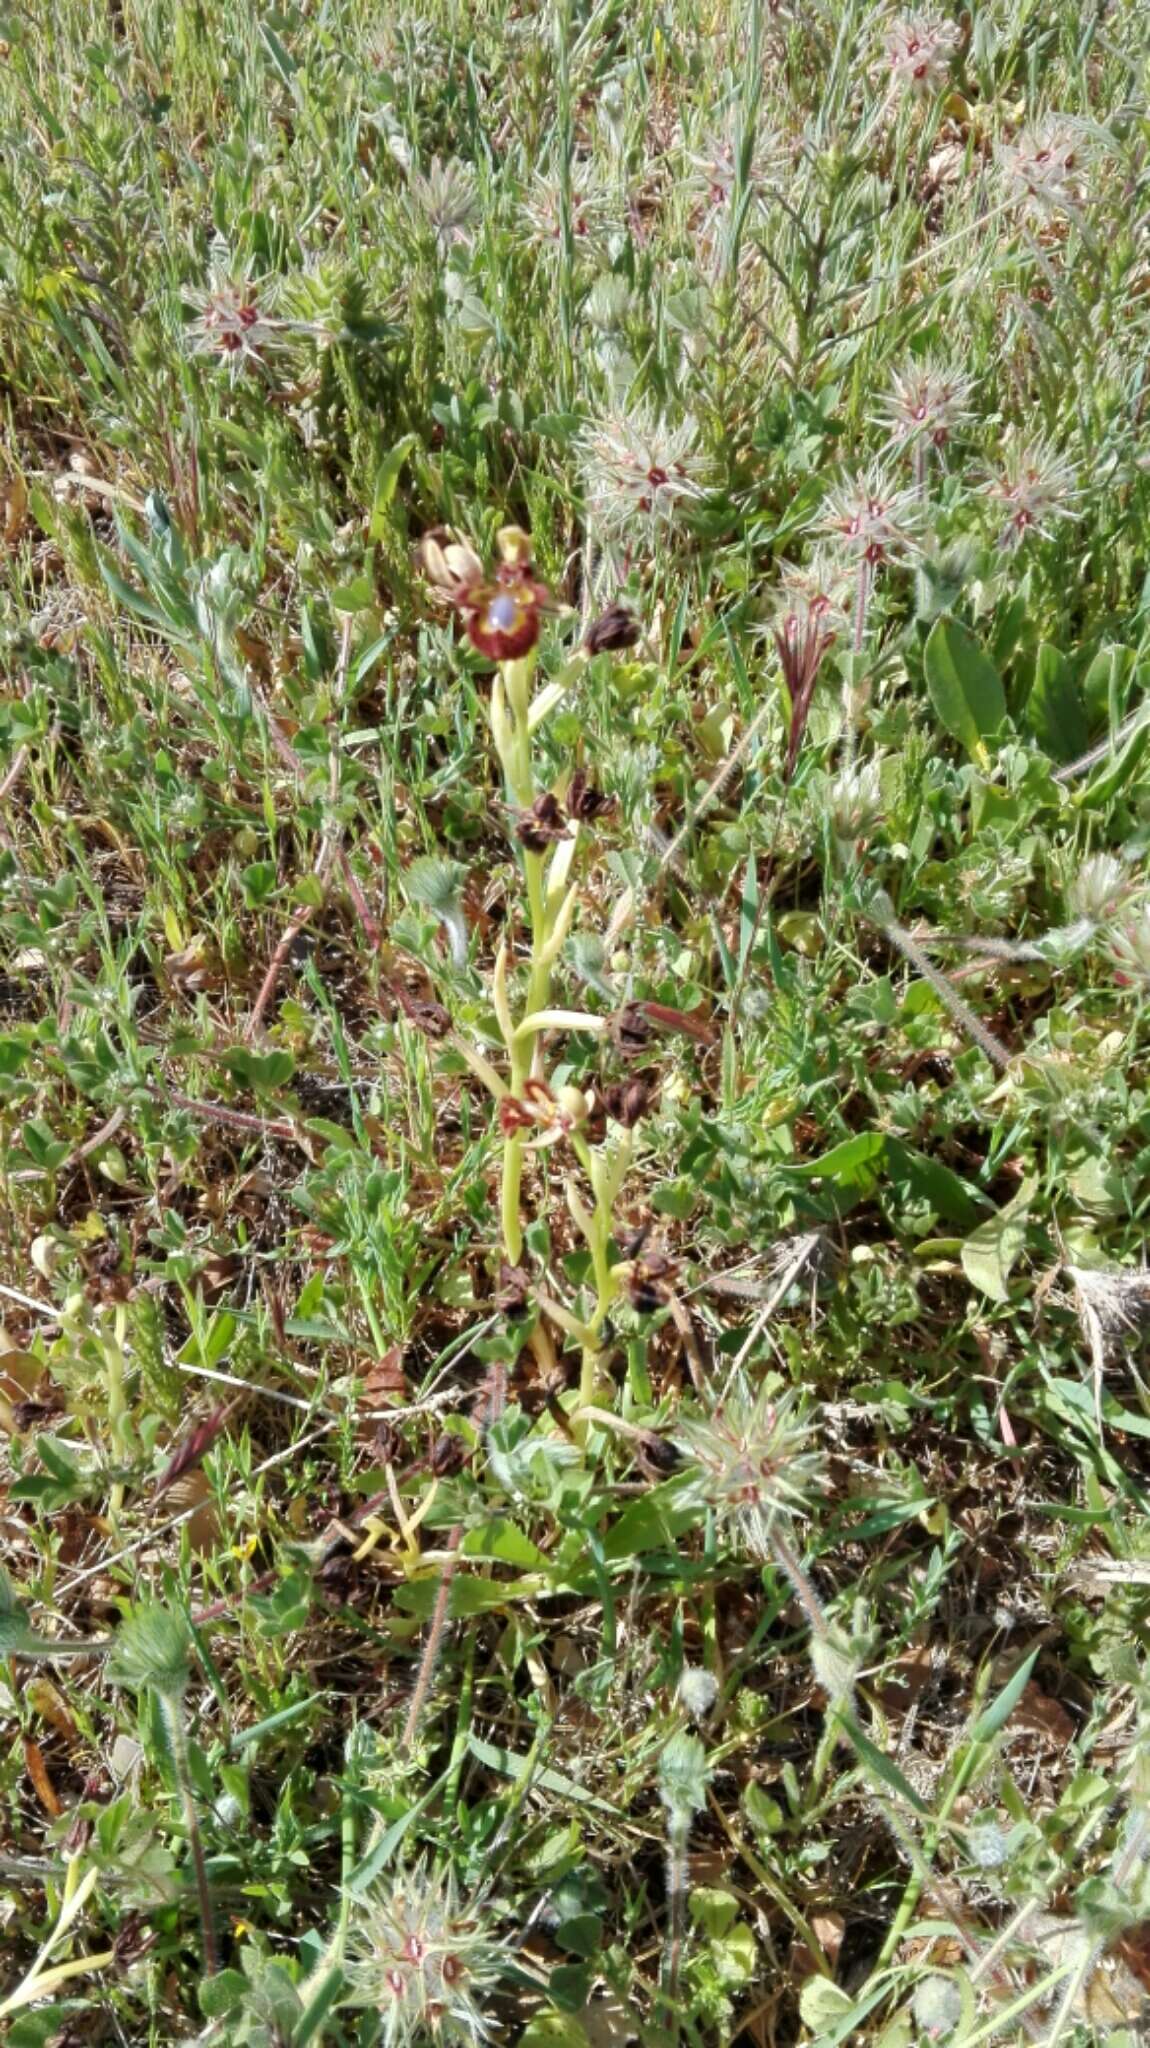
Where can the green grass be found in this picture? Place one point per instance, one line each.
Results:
(659, 1563)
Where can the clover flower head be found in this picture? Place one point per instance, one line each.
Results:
(543, 207)
(1034, 485)
(1098, 888)
(920, 49)
(854, 801)
(1111, 1301)
(870, 517)
(754, 1461)
(814, 596)
(1042, 169)
(233, 323)
(638, 468)
(425, 1958)
(445, 198)
(926, 402)
(714, 174)
(1129, 946)
(608, 304)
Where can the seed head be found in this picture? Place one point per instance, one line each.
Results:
(937, 2007)
(987, 1842)
(920, 50)
(870, 518)
(612, 630)
(638, 468)
(683, 1777)
(425, 1959)
(754, 1463)
(1035, 487)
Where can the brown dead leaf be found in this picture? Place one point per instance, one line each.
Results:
(386, 1378)
(1112, 1995)
(828, 1928)
(42, 1784)
(46, 1700)
(13, 508)
(1037, 1714)
(907, 1679)
(192, 1490)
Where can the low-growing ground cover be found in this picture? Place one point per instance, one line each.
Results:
(574, 800)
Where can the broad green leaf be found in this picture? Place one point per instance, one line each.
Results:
(821, 2003)
(387, 482)
(1114, 773)
(994, 1248)
(470, 1594)
(929, 1180)
(653, 1522)
(965, 687)
(1054, 710)
(554, 2030)
(854, 1164)
(1104, 684)
(501, 1539)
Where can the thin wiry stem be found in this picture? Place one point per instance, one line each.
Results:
(434, 1642)
(678, 1831)
(961, 1012)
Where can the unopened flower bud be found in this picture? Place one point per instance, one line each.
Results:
(514, 547)
(573, 1105)
(612, 631)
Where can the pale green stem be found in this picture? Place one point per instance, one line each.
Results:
(606, 1183)
(113, 1349)
(513, 742)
